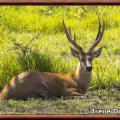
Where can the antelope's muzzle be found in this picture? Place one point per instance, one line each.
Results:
(88, 66)
(89, 69)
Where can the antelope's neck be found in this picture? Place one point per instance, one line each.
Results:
(82, 78)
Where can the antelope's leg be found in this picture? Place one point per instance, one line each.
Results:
(74, 95)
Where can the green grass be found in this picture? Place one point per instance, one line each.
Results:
(61, 106)
(43, 45)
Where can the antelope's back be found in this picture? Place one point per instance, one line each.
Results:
(35, 85)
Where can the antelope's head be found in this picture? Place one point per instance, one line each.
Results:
(85, 58)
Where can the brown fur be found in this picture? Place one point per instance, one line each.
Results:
(38, 84)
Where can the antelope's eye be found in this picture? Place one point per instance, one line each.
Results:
(82, 60)
(91, 59)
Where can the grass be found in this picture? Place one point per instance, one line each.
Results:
(61, 106)
(32, 38)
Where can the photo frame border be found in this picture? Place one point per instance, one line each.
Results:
(58, 2)
(58, 116)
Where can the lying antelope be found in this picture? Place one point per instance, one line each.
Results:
(47, 85)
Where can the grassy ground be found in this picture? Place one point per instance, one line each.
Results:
(97, 100)
(30, 36)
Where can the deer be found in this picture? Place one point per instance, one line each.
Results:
(30, 84)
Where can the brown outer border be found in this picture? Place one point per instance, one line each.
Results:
(55, 116)
(58, 2)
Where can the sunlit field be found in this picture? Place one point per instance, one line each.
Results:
(32, 38)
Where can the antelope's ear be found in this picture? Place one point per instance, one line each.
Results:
(74, 52)
(97, 53)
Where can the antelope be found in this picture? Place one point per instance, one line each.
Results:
(31, 84)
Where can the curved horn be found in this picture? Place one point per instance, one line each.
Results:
(73, 41)
(98, 37)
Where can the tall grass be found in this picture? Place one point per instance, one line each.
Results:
(49, 51)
